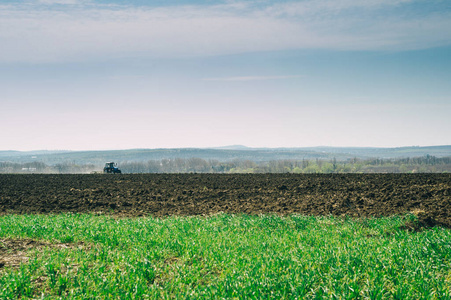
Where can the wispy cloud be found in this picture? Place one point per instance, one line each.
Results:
(39, 33)
(250, 78)
(329, 7)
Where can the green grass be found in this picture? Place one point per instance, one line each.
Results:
(224, 256)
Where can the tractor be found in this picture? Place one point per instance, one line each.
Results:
(111, 167)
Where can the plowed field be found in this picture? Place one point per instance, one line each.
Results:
(356, 195)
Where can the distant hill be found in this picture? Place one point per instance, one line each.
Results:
(9, 153)
(225, 154)
(232, 147)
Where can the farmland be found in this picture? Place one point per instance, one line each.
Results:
(225, 236)
(221, 256)
(161, 195)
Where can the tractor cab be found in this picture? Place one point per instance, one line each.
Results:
(111, 167)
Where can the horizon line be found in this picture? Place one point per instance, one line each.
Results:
(226, 146)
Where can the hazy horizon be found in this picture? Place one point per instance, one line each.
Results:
(227, 147)
(115, 74)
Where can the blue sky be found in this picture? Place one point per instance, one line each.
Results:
(86, 75)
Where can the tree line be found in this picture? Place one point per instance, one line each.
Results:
(42, 168)
(425, 164)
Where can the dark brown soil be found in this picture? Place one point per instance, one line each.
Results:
(355, 195)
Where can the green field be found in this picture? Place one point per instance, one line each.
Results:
(222, 256)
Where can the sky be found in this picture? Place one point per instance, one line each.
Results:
(101, 74)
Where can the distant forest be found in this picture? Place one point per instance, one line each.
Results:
(424, 164)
